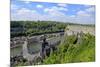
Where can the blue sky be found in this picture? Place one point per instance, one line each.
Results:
(74, 13)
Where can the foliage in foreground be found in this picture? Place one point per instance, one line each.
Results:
(70, 52)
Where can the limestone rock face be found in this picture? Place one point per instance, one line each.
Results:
(74, 29)
(78, 31)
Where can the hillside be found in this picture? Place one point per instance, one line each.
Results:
(73, 49)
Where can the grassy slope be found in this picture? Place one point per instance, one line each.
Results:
(71, 53)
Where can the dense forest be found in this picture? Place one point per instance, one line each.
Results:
(28, 28)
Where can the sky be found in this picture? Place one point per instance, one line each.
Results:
(27, 10)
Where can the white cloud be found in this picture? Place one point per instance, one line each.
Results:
(63, 9)
(25, 11)
(46, 9)
(62, 5)
(39, 6)
(55, 8)
(24, 14)
(27, 2)
(53, 14)
(50, 9)
(83, 14)
(84, 17)
(14, 7)
(91, 9)
(56, 13)
(72, 16)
